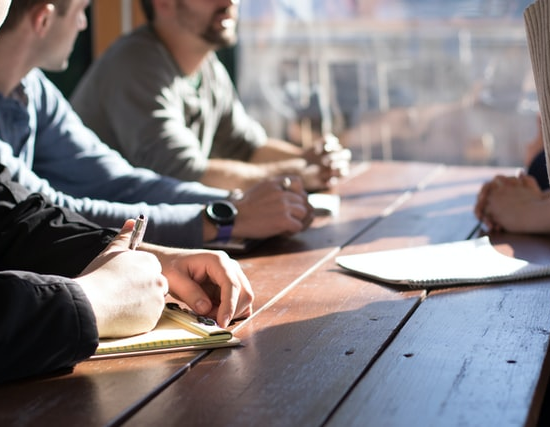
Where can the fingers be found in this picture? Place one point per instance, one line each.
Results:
(291, 183)
(481, 209)
(299, 209)
(498, 182)
(214, 285)
(334, 158)
(164, 285)
(481, 201)
(501, 203)
(333, 165)
(235, 297)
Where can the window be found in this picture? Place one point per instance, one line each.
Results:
(446, 81)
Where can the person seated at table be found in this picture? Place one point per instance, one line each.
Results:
(66, 282)
(49, 321)
(161, 97)
(47, 148)
(518, 203)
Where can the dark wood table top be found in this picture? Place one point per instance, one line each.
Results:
(328, 348)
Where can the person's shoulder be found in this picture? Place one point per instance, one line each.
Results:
(139, 45)
(130, 60)
(36, 74)
(36, 81)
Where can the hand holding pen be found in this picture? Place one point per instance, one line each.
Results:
(138, 232)
(135, 275)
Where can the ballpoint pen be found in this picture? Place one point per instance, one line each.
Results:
(138, 232)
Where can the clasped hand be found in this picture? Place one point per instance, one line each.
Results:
(513, 204)
(327, 161)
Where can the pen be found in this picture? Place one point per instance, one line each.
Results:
(138, 232)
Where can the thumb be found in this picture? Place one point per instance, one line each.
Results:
(121, 242)
(122, 239)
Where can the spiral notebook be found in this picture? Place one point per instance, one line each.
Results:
(178, 329)
(446, 264)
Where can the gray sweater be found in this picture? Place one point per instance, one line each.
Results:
(140, 103)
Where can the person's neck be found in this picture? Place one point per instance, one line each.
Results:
(15, 63)
(188, 52)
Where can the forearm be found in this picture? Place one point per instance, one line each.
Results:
(171, 225)
(231, 174)
(275, 150)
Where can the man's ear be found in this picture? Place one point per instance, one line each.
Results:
(42, 17)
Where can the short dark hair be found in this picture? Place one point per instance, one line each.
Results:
(18, 9)
(148, 10)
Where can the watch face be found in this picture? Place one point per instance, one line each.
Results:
(221, 212)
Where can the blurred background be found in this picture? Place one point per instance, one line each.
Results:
(429, 80)
(447, 81)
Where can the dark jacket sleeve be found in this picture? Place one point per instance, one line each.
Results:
(37, 236)
(46, 324)
(46, 321)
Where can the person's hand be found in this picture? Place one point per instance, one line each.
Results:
(481, 202)
(327, 161)
(125, 288)
(273, 207)
(486, 193)
(481, 209)
(209, 282)
(513, 204)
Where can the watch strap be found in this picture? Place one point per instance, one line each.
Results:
(224, 232)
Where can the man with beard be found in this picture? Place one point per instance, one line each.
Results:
(160, 96)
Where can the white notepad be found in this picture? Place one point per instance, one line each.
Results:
(462, 262)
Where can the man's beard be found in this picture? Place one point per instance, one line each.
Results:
(226, 38)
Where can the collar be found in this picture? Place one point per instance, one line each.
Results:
(19, 94)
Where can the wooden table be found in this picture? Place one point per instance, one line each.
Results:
(328, 348)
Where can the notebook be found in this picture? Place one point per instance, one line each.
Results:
(445, 264)
(177, 329)
(324, 204)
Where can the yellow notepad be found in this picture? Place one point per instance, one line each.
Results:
(178, 329)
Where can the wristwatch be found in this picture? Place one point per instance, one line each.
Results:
(222, 214)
